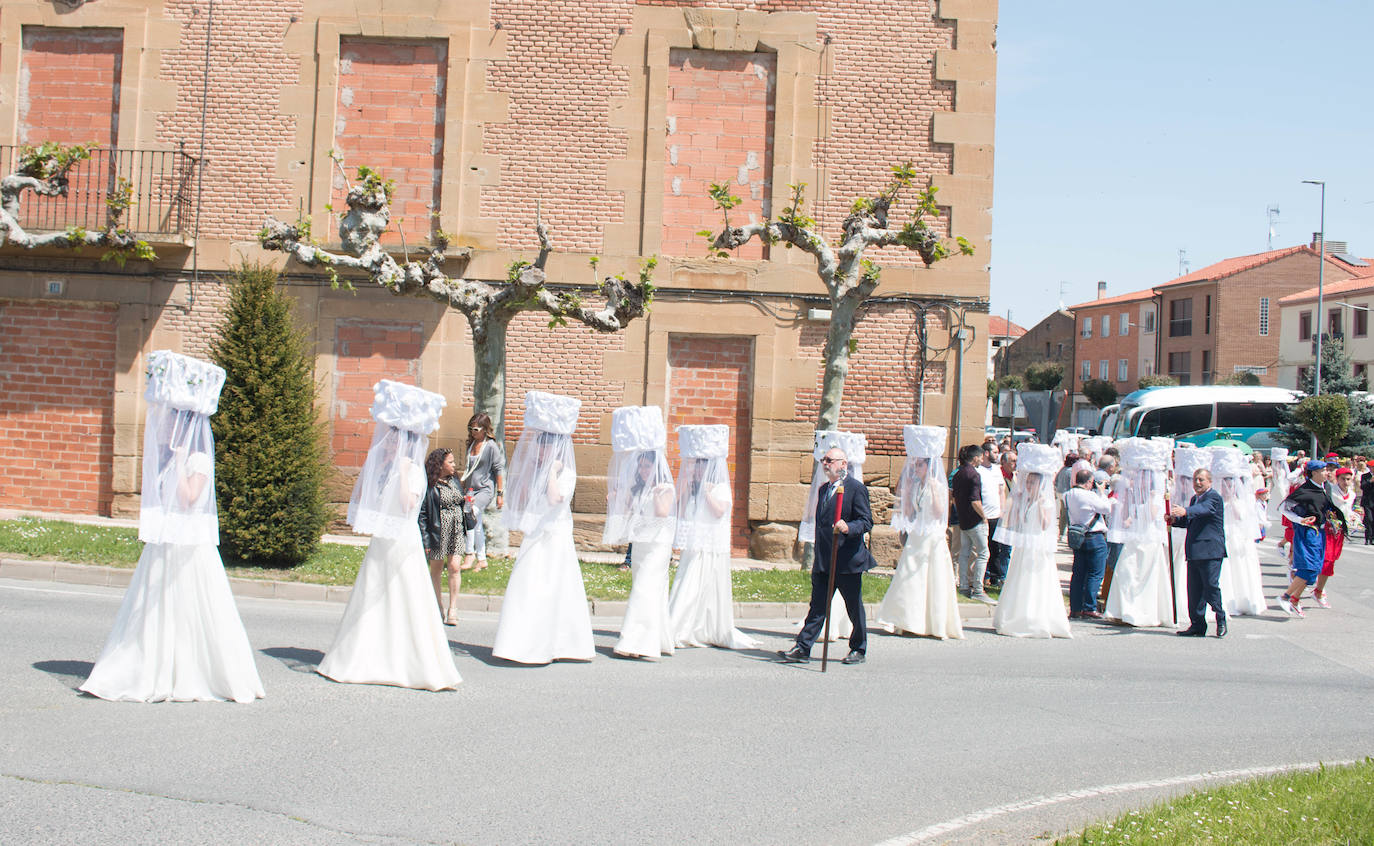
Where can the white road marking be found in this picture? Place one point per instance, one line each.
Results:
(932, 831)
(53, 590)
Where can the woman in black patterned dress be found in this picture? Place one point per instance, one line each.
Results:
(441, 528)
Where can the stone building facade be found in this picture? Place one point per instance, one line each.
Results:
(606, 120)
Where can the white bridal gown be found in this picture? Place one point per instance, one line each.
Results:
(647, 630)
(922, 598)
(702, 607)
(390, 632)
(1242, 586)
(544, 616)
(1139, 595)
(177, 635)
(1032, 602)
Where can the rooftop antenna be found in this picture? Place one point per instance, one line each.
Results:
(1183, 263)
(1062, 286)
(1273, 214)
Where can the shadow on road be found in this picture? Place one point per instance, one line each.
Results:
(295, 658)
(66, 670)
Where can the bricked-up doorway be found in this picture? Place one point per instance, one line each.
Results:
(57, 369)
(711, 380)
(720, 129)
(366, 351)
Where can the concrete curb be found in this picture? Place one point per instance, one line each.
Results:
(95, 574)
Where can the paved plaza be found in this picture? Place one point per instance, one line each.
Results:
(988, 740)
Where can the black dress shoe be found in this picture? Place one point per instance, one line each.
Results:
(1192, 631)
(795, 655)
(1221, 627)
(854, 657)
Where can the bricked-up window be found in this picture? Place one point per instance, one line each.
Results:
(1304, 326)
(69, 85)
(1180, 318)
(1264, 316)
(1360, 320)
(391, 117)
(720, 128)
(1181, 367)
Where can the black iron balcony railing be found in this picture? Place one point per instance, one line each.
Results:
(162, 183)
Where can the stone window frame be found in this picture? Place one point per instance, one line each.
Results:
(469, 105)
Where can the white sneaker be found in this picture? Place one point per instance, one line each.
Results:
(1320, 599)
(1285, 604)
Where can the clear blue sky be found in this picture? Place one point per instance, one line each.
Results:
(1126, 132)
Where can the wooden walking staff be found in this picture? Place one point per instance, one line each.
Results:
(830, 589)
(1169, 534)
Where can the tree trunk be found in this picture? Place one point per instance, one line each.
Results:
(489, 378)
(843, 315)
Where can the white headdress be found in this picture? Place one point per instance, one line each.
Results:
(1187, 461)
(853, 444)
(1031, 520)
(1235, 481)
(386, 497)
(639, 485)
(704, 498)
(543, 471)
(1138, 506)
(922, 505)
(178, 502)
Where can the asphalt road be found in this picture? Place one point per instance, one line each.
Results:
(988, 740)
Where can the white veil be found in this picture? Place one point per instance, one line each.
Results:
(639, 485)
(1138, 510)
(543, 471)
(1187, 461)
(922, 505)
(1278, 487)
(1030, 520)
(386, 497)
(178, 502)
(853, 444)
(1234, 480)
(703, 489)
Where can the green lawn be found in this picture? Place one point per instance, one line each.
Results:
(337, 564)
(1325, 807)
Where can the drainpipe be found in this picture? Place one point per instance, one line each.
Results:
(959, 335)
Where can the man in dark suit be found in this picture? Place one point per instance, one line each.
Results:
(851, 556)
(1205, 549)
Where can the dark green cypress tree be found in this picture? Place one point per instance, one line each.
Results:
(1338, 377)
(270, 470)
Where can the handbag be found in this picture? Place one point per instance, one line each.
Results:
(1078, 532)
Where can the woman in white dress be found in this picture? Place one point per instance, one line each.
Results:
(544, 616)
(1242, 582)
(178, 635)
(854, 445)
(1032, 601)
(1140, 591)
(701, 607)
(1278, 488)
(389, 633)
(1187, 461)
(639, 511)
(922, 598)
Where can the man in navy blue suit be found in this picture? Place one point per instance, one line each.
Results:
(1205, 549)
(852, 559)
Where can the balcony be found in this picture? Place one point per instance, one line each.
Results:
(162, 182)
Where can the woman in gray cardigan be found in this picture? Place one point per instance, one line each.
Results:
(483, 476)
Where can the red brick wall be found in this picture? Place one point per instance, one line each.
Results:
(711, 380)
(57, 365)
(1113, 348)
(367, 351)
(566, 360)
(881, 388)
(720, 129)
(69, 85)
(390, 117)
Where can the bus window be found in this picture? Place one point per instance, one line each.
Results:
(1174, 420)
(1247, 415)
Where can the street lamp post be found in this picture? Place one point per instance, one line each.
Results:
(1321, 317)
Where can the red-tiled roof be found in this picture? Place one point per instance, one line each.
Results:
(1333, 290)
(999, 327)
(1119, 298)
(1232, 266)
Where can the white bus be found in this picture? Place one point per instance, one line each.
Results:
(1196, 413)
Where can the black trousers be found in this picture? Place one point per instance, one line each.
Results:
(999, 555)
(850, 587)
(1368, 524)
(1204, 589)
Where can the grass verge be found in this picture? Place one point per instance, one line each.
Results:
(337, 564)
(1324, 807)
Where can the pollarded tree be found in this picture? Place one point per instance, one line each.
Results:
(488, 307)
(848, 277)
(43, 170)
